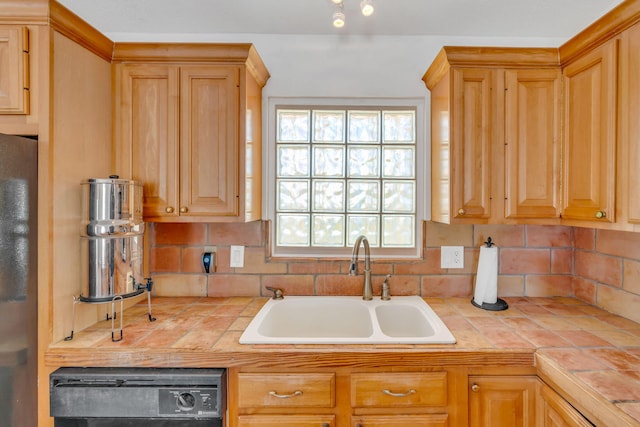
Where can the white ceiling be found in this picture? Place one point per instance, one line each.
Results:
(123, 19)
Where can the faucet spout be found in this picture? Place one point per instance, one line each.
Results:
(367, 289)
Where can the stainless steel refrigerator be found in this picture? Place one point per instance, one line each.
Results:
(18, 281)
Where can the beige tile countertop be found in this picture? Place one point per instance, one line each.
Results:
(588, 355)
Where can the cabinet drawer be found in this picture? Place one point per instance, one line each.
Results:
(435, 420)
(286, 421)
(399, 389)
(286, 390)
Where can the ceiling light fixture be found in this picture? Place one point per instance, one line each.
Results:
(339, 18)
(366, 7)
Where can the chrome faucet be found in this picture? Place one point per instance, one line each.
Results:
(367, 289)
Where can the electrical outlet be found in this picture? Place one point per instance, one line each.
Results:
(452, 257)
(237, 256)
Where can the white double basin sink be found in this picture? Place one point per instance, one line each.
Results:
(346, 320)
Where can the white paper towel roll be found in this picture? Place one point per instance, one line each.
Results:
(487, 277)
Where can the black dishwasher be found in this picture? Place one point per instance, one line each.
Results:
(141, 397)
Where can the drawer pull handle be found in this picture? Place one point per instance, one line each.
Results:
(405, 394)
(285, 396)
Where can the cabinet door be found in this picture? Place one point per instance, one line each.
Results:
(532, 143)
(441, 151)
(209, 97)
(147, 133)
(590, 135)
(286, 421)
(559, 413)
(471, 144)
(434, 420)
(629, 91)
(502, 401)
(14, 70)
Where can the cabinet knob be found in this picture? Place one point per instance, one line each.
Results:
(460, 211)
(184, 209)
(475, 387)
(168, 209)
(601, 214)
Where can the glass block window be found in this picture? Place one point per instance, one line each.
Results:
(342, 172)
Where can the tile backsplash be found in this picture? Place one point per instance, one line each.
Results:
(598, 266)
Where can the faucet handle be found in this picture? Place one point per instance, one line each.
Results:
(386, 290)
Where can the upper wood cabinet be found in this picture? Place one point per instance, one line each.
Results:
(461, 113)
(532, 143)
(147, 132)
(589, 172)
(188, 126)
(495, 125)
(629, 158)
(14, 69)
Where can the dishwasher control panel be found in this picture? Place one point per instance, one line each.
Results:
(188, 402)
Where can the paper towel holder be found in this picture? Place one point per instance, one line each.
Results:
(500, 304)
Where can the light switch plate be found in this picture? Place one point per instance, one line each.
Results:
(452, 257)
(237, 256)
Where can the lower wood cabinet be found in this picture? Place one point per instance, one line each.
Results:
(286, 421)
(439, 397)
(557, 412)
(399, 389)
(342, 397)
(503, 401)
(436, 420)
(392, 394)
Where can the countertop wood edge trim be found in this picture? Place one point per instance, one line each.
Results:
(586, 400)
(261, 358)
